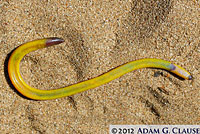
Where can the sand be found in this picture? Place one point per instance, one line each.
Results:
(100, 35)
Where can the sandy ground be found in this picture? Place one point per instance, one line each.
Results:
(100, 35)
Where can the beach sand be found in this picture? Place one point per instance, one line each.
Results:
(100, 35)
